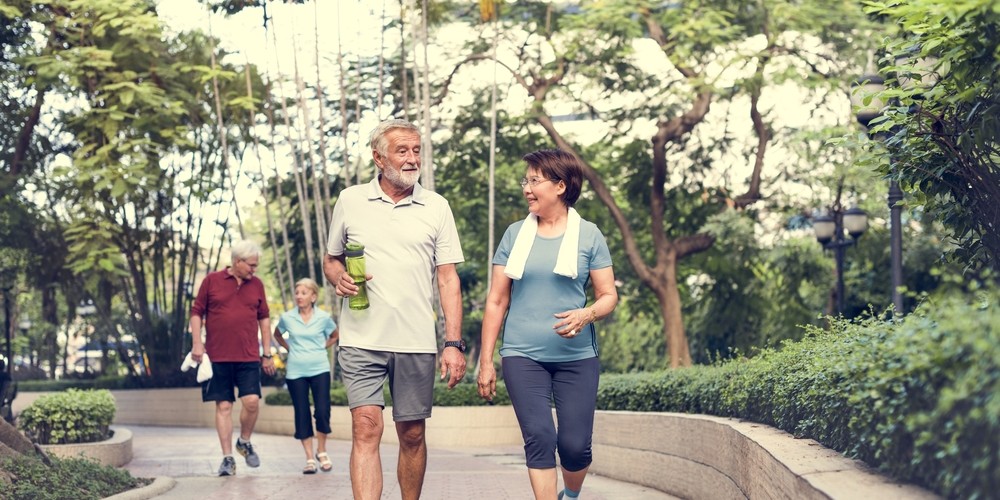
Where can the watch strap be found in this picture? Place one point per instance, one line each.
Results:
(458, 344)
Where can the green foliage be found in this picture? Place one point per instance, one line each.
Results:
(76, 478)
(916, 399)
(464, 394)
(112, 382)
(942, 135)
(73, 416)
(632, 341)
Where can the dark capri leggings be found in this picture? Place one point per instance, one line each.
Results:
(533, 386)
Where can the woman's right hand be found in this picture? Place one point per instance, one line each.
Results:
(487, 380)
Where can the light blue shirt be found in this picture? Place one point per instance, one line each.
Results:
(540, 293)
(307, 355)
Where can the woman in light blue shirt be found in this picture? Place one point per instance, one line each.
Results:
(542, 270)
(308, 333)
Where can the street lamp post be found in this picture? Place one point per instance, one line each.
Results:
(866, 112)
(25, 326)
(86, 309)
(829, 231)
(914, 73)
(7, 282)
(896, 245)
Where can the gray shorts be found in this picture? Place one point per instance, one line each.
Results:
(410, 376)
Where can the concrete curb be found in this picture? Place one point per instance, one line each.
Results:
(115, 452)
(702, 456)
(688, 456)
(159, 486)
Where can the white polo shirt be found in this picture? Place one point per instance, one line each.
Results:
(404, 243)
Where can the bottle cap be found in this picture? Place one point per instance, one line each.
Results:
(355, 250)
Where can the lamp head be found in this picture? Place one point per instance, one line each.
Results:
(866, 104)
(824, 226)
(856, 222)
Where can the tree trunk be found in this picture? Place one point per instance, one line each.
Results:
(299, 171)
(345, 156)
(669, 296)
(223, 136)
(425, 99)
(263, 191)
(279, 194)
(14, 440)
(313, 173)
(404, 84)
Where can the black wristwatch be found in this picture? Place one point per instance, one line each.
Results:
(459, 344)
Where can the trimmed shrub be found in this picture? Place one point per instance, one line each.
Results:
(918, 399)
(466, 394)
(112, 382)
(73, 416)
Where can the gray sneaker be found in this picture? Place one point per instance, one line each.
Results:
(228, 467)
(246, 449)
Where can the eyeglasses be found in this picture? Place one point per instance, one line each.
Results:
(534, 181)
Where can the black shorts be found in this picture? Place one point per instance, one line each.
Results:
(226, 376)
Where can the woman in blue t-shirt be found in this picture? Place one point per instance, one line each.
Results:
(541, 272)
(310, 332)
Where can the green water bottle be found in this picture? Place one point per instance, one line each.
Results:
(355, 263)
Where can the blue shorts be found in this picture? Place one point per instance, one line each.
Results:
(226, 376)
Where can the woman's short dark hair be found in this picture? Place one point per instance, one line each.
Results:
(559, 165)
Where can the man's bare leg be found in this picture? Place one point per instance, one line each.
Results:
(224, 425)
(366, 464)
(248, 415)
(412, 458)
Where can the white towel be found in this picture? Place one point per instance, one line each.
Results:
(566, 261)
(204, 367)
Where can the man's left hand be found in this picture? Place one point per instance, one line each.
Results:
(268, 365)
(452, 366)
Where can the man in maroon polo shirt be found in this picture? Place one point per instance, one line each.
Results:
(233, 308)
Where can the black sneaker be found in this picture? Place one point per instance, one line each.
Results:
(228, 467)
(246, 449)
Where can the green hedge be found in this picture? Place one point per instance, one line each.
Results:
(73, 416)
(918, 399)
(112, 382)
(463, 394)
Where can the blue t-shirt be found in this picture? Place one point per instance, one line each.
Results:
(307, 355)
(540, 293)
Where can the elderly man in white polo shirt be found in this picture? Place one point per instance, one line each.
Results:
(409, 234)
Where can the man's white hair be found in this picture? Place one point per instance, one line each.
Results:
(377, 139)
(243, 250)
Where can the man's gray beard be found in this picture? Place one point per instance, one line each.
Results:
(400, 179)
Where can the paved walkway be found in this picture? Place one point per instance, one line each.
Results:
(191, 456)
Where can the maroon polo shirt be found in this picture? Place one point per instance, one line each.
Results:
(231, 312)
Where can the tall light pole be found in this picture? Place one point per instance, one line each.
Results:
(86, 309)
(8, 278)
(25, 326)
(829, 231)
(868, 86)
